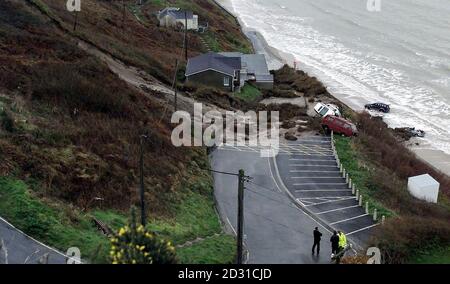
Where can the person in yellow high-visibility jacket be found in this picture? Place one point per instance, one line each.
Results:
(342, 244)
(342, 240)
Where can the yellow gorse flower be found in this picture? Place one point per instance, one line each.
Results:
(122, 231)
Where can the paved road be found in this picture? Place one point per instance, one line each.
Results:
(18, 248)
(289, 195)
(276, 230)
(311, 175)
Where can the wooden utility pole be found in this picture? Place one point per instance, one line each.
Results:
(174, 85)
(141, 166)
(123, 14)
(240, 216)
(75, 22)
(185, 37)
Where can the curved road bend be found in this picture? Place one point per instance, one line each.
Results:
(18, 248)
(275, 230)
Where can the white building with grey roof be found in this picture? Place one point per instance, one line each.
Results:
(174, 17)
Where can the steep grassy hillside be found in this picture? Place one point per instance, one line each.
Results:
(132, 34)
(70, 131)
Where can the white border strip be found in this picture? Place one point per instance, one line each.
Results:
(338, 209)
(349, 219)
(362, 229)
(331, 201)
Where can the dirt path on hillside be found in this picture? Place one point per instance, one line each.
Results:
(144, 82)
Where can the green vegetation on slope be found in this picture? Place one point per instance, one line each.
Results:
(211, 41)
(248, 93)
(215, 250)
(380, 165)
(62, 227)
(360, 173)
(59, 226)
(439, 255)
(69, 132)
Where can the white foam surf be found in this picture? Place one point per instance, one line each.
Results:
(361, 74)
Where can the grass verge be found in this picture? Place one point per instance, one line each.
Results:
(361, 175)
(215, 250)
(63, 227)
(211, 40)
(195, 216)
(439, 255)
(249, 93)
(54, 225)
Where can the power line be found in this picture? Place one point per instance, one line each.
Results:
(267, 219)
(266, 188)
(220, 172)
(274, 222)
(247, 178)
(180, 55)
(272, 199)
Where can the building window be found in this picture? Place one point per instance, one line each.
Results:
(226, 81)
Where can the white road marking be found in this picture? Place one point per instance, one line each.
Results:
(5, 251)
(314, 140)
(362, 229)
(311, 160)
(331, 201)
(289, 193)
(315, 177)
(300, 171)
(303, 201)
(325, 197)
(282, 150)
(273, 177)
(311, 202)
(312, 190)
(349, 219)
(325, 166)
(229, 223)
(338, 209)
(297, 184)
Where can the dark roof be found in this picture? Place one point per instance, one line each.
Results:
(214, 61)
(177, 14)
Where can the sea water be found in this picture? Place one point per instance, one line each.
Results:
(396, 52)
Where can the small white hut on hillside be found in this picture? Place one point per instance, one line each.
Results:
(173, 17)
(424, 187)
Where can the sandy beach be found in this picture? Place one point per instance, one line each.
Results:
(276, 58)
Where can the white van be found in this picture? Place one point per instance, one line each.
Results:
(328, 109)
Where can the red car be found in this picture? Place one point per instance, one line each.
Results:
(339, 126)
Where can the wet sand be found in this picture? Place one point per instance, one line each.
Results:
(276, 58)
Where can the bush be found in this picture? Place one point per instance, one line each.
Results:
(280, 93)
(137, 245)
(286, 111)
(74, 87)
(288, 78)
(400, 239)
(7, 121)
(380, 144)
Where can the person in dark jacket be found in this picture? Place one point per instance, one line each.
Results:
(317, 237)
(334, 243)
